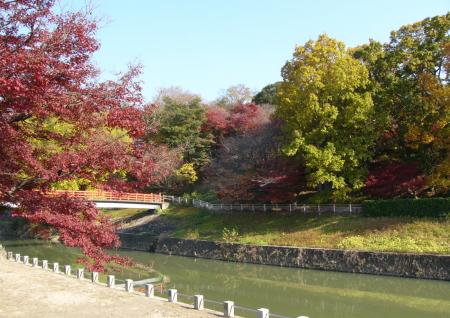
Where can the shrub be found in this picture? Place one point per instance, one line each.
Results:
(433, 207)
(230, 235)
(208, 196)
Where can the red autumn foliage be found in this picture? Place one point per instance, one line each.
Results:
(239, 119)
(46, 73)
(279, 185)
(395, 180)
(217, 119)
(250, 168)
(246, 117)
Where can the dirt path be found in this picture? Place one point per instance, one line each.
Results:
(154, 224)
(33, 292)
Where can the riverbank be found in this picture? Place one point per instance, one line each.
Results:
(404, 247)
(33, 292)
(425, 266)
(380, 234)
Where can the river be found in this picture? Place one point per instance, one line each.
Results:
(285, 291)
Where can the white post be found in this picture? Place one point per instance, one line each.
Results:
(198, 302)
(55, 267)
(173, 296)
(304, 208)
(80, 273)
(17, 256)
(334, 208)
(149, 290)
(350, 208)
(26, 260)
(94, 277)
(67, 270)
(111, 281)
(290, 207)
(129, 285)
(228, 308)
(10, 255)
(262, 313)
(35, 262)
(264, 207)
(45, 264)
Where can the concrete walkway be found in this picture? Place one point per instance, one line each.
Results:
(33, 292)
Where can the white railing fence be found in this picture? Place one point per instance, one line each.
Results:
(347, 208)
(143, 288)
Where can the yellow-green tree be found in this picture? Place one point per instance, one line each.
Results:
(328, 115)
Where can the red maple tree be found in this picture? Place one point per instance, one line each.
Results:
(395, 179)
(239, 119)
(247, 117)
(59, 122)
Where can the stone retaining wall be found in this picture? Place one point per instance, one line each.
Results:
(391, 264)
(139, 242)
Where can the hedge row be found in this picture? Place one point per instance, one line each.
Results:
(433, 207)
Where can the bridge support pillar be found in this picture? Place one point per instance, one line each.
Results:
(165, 205)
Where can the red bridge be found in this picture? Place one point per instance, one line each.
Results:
(109, 199)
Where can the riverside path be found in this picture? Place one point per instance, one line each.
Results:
(33, 292)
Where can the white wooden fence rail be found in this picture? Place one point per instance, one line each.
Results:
(260, 207)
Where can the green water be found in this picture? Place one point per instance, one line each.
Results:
(285, 291)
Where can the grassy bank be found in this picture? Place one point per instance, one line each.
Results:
(395, 234)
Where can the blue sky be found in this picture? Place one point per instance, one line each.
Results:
(205, 46)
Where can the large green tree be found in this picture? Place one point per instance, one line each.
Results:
(267, 95)
(328, 114)
(181, 126)
(410, 77)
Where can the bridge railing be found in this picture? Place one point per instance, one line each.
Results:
(109, 196)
